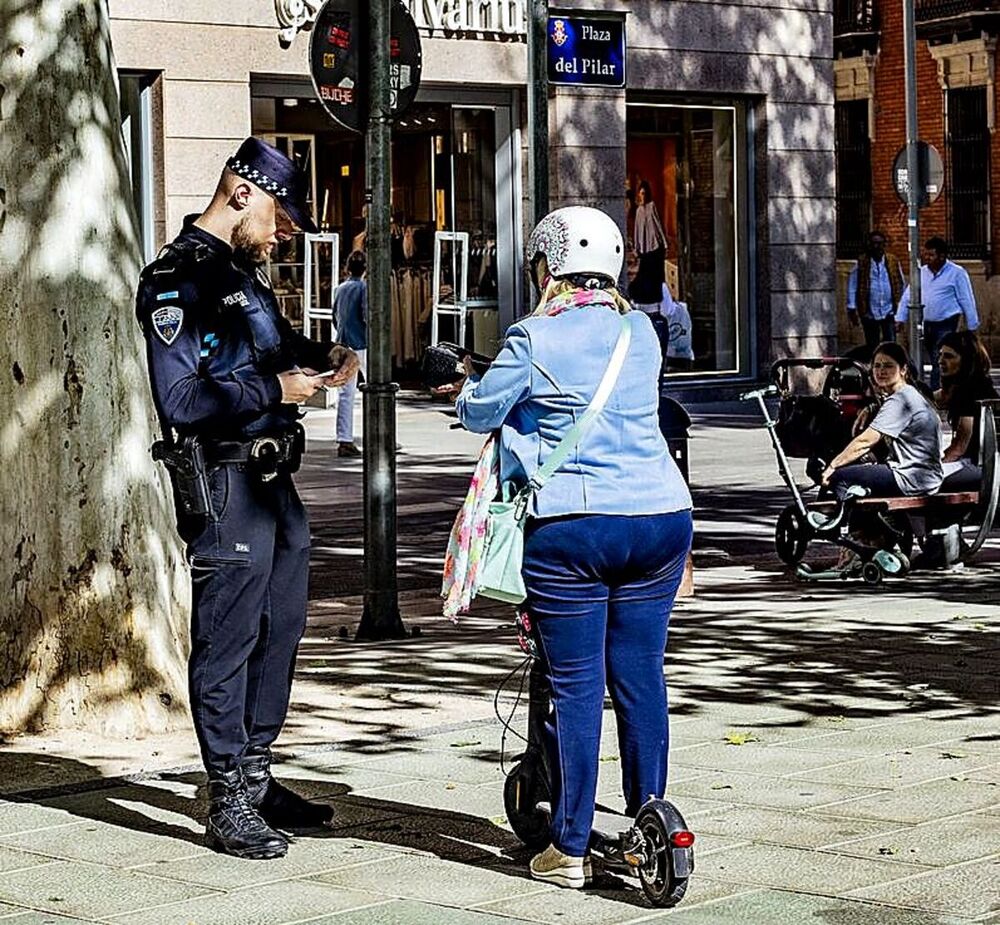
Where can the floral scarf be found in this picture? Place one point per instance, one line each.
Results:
(468, 534)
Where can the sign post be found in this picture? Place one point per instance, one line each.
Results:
(538, 110)
(916, 316)
(366, 69)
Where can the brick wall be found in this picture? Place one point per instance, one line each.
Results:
(888, 213)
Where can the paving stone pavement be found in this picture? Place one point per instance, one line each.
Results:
(833, 747)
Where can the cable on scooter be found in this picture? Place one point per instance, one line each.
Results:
(525, 668)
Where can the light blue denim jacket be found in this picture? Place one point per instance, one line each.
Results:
(542, 381)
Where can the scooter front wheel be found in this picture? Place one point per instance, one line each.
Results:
(791, 536)
(523, 790)
(669, 859)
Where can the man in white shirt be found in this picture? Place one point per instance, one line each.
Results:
(947, 295)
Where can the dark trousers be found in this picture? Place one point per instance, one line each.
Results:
(600, 589)
(933, 332)
(876, 477)
(878, 330)
(249, 573)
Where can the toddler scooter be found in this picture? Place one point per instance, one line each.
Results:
(656, 846)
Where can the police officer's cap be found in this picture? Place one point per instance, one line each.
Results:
(276, 175)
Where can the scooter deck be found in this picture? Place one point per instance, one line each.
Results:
(607, 826)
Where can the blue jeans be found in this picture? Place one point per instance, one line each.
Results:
(876, 477)
(600, 590)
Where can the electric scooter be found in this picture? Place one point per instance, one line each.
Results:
(656, 846)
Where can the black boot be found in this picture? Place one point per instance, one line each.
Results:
(279, 806)
(234, 826)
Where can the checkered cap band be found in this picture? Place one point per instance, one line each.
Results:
(257, 177)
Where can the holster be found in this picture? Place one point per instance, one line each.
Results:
(185, 461)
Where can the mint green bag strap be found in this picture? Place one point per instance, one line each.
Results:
(596, 406)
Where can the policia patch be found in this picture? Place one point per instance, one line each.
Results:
(167, 322)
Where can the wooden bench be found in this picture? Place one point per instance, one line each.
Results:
(910, 503)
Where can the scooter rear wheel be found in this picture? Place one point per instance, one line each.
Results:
(659, 880)
(523, 790)
(790, 536)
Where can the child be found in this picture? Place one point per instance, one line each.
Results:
(350, 312)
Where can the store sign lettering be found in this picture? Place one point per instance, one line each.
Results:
(343, 96)
(499, 17)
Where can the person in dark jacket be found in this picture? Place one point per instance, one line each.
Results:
(965, 381)
(874, 289)
(227, 374)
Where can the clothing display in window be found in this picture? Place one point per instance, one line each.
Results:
(410, 290)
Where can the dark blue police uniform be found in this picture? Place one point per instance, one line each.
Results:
(216, 346)
(216, 342)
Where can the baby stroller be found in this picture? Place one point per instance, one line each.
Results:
(816, 428)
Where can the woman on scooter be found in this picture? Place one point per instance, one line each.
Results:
(607, 536)
(908, 424)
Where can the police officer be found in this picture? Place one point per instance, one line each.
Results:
(227, 373)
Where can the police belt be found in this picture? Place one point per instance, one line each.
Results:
(267, 455)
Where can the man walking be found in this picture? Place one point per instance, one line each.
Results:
(874, 289)
(947, 295)
(227, 373)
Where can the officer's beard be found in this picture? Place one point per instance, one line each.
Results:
(245, 247)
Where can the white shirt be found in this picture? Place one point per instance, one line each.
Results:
(945, 294)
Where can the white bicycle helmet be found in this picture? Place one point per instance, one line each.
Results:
(578, 241)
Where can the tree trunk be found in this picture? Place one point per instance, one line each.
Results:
(93, 596)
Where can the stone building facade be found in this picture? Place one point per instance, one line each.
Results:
(728, 113)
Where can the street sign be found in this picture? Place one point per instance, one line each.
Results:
(930, 170)
(586, 51)
(338, 54)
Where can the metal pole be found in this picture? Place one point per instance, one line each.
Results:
(914, 179)
(538, 108)
(380, 619)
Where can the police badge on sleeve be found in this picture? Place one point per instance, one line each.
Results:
(167, 323)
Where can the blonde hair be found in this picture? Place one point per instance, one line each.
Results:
(557, 287)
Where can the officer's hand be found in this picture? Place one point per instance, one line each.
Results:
(899, 327)
(346, 362)
(853, 318)
(296, 386)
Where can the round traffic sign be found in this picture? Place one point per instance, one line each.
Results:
(338, 61)
(930, 170)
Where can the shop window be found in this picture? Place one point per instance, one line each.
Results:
(444, 179)
(689, 160)
(854, 178)
(968, 173)
(135, 102)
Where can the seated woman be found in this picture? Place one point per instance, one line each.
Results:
(909, 426)
(965, 381)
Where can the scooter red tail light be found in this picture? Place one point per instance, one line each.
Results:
(682, 839)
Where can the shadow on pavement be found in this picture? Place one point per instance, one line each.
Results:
(173, 805)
